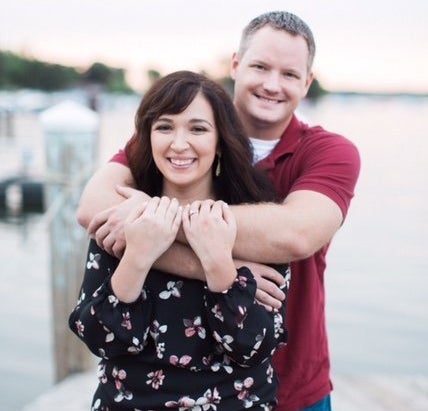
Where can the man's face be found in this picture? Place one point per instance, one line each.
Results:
(271, 78)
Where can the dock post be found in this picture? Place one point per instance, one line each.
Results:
(71, 143)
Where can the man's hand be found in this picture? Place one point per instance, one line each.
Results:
(107, 226)
(269, 284)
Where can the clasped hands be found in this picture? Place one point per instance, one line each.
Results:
(207, 226)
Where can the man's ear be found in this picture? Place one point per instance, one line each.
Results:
(234, 65)
(309, 81)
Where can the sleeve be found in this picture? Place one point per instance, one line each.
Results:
(107, 326)
(120, 157)
(330, 166)
(248, 333)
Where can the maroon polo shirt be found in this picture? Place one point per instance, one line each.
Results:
(309, 158)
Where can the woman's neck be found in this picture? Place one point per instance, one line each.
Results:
(186, 195)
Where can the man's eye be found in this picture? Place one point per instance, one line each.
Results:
(258, 67)
(290, 74)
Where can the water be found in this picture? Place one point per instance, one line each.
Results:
(377, 266)
(376, 280)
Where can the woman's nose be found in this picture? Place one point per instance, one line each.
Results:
(179, 141)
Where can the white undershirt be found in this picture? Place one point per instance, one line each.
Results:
(262, 148)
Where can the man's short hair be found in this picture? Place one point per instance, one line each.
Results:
(279, 20)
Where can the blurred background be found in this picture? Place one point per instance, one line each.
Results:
(372, 86)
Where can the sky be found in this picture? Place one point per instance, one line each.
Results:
(362, 45)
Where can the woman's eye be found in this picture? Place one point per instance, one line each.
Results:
(199, 129)
(162, 127)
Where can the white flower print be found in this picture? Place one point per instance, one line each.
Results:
(244, 394)
(136, 347)
(225, 365)
(180, 362)
(112, 299)
(101, 373)
(155, 379)
(207, 360)
(259, 339)
(193, 327)
(258, 343)
(119, 376)
(173, 288)
(287, 278)
(156, 329)
(216, 310)
(183, 404)
(81, 298)
(224, 341)
(96, 292)
(278, 325)
(80, 328)
(109, 334)
(208, 401)
(269, 373)
(102, 353)
(160, 349)
(241, 317)
(93, 261)
(126, 322)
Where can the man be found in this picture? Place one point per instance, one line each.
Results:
(313, 170)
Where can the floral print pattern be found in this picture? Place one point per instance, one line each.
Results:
(179, 346)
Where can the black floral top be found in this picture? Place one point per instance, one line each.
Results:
(179, 346)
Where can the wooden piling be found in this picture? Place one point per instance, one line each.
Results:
(71, 142)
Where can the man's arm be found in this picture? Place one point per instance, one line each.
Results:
(102, 211)
(100, 194)
(295, 229)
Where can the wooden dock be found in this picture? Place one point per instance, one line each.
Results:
(380, 393)
(351, 393)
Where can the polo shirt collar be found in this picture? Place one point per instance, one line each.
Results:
(287, 144)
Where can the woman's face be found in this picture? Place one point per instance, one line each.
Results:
(184, 147)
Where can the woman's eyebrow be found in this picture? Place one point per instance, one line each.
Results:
(198, 120)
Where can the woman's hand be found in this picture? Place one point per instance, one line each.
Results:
(210, 229)
(151, 228)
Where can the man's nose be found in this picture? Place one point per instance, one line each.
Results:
(272, 82)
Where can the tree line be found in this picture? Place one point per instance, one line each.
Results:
(20, 72)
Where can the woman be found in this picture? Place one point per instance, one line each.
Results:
(168, 342)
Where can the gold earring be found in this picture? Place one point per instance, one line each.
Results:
(218, 167)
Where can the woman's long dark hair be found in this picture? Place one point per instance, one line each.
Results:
(238, 182)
